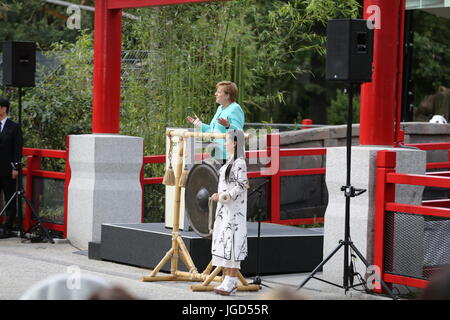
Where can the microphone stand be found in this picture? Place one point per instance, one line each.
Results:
(258, 190)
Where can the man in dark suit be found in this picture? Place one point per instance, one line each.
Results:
(10, 151)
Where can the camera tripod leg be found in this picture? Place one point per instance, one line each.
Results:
(383, 284)
(39, 223)
(320, 266)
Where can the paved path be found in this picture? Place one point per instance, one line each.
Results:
(23, 264)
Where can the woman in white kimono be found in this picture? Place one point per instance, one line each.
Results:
(229, 240)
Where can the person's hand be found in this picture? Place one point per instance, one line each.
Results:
(224, 122)
(224, 197)
(15, 174)
(190, 119)
(195, 121)
(215, 197)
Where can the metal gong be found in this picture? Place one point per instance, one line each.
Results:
(202, 183)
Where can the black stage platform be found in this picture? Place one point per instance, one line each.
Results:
(284, 249)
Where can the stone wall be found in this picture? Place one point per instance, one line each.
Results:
(307, 196)
(335, 136)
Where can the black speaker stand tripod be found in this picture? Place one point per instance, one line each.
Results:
(19, 195)
(258, 191)
(347, 244)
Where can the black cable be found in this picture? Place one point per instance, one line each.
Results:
(361, 280)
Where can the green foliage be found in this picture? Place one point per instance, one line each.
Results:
(337, 112)
(48, 22)
(266, 47)
(62, 103)
(260, 45)
(293, 66)
(431, 55)
(263, 46)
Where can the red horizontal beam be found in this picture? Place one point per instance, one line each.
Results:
(51, 226)
(49, 174)
(46, 174)
(418, 180)
(294, 222)
(302, 152)
(438, 165)
(302, 172)
(124, 4)
(288, 173)
(437, 203)
(431, 146)
(406, 281)
(439, 173)
(54, 226)
(155, 159)
(61, 154)
(154, 180)
(251, 154)
(421, 210)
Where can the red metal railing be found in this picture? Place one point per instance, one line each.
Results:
(34, 156)
(386, 180)
(33, 169)
(273, 148)
(435, 146)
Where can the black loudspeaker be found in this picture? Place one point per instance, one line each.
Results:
(19, 63)
(349, 51)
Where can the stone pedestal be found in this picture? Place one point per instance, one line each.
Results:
(105, 184)
(362, 208)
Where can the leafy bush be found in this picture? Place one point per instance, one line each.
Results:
(337, 112)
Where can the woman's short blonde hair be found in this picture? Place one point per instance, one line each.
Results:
(229, 88)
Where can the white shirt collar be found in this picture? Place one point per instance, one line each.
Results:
(3, 122)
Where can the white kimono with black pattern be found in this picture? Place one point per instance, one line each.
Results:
(229, 239)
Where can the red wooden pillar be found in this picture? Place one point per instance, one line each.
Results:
(107, 61)
(381, 97)
(386, 161)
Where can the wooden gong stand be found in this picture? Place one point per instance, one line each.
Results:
(178, 248)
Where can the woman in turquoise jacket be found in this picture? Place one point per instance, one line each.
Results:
(229, 115)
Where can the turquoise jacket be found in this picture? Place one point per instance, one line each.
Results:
(235, 116)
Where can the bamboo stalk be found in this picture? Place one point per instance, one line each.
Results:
(241, 277)
(162, 263)
(208, 269)
(196, 276)
(168, 278)
(212, 276)
(158, 278)
(176, 210)
(185, 255)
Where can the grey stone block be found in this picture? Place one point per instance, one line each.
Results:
(105, 184)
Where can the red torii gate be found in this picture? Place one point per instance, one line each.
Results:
(379, 99)
(107, 59)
